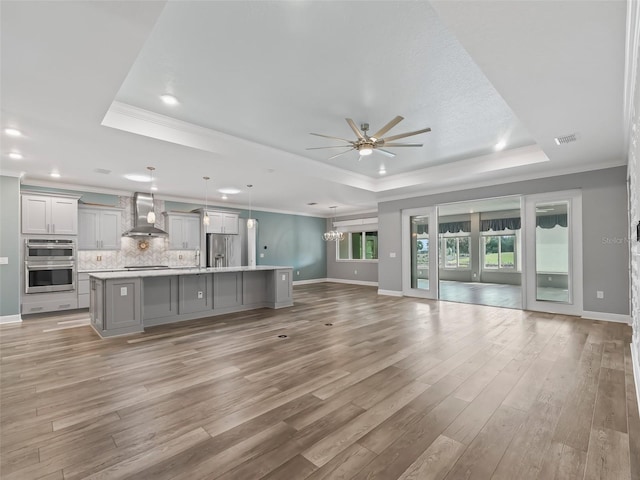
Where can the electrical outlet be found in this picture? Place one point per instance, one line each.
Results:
(123, 291)
(297, 272)
(262, 255)
(549, 279)
(599, 294)
(4, 260)
(355, 272)
(475, 274)
(179, 257)
(200, 294)
(392, 254)
(99, 258)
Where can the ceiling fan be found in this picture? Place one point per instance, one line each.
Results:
(365, 144)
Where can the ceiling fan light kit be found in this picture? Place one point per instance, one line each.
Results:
(366, 144)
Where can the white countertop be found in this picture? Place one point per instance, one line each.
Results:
(179, 271)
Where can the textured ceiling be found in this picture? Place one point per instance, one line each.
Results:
(83, 79)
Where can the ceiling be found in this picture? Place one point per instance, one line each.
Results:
(82, 80)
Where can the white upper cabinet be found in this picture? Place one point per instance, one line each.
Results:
(223, 222)
(49, 215)
(184, 231)
(99, 229)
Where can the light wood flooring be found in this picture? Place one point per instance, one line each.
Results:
(362, 387)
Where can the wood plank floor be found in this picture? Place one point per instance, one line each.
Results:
(362, 387)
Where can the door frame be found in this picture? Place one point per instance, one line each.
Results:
(530, 301)
(432, 292)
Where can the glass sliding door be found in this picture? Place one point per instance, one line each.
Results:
(420, 253)
(554, 252)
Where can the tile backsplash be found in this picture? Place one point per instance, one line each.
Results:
(157, 253)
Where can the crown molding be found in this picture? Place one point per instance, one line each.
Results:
(162, 127)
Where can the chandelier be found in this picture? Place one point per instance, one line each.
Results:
(333, 235)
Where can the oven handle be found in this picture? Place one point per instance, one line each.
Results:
(50, 267)
(50, 246)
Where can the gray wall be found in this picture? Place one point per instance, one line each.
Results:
(344, 269)
(10, 245)
(604, 203)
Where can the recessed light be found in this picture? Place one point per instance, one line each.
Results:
(154, 188)
(55, 174)
(13, 132)
(500, 145)
(15, 156)
(229, 191)
(136, 177)
(169, 99)
(224, 197)
(382, 171)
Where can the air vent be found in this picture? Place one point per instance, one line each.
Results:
(102, 170)
(312, 203)
(566, 139)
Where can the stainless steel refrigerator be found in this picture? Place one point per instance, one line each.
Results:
(232, 250)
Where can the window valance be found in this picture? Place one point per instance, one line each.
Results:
(498, 224)
(455, 227)
(550, 221)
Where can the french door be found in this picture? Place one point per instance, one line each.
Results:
(553, 252)
(420, 252)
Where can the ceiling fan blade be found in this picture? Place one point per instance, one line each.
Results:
(385, 152)
(403, 135)
(342, 153)
(329, 136)
(354, 127)
(402, 144)
(332, 146)
(387, 127)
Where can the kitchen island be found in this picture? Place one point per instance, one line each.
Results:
(124, 302)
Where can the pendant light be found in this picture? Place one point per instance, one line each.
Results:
(333, 235)
(206, 220)
(151, 216)
(250, 221)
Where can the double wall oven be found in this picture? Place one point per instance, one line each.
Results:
(50, 265)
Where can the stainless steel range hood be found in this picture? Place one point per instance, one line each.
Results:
(142, 205)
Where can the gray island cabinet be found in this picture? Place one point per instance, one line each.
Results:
(126, 302)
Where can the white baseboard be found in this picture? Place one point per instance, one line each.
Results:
(352, 282)
(10, 319)
(391, 293)
(308, 282)
(635, 363)
(607, 317)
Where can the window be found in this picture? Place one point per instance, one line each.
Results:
(500, 252)
(358, 246)
(454, 252)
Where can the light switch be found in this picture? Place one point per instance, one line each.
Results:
(284, 277)
(262, 255)
(123, 291)
(392, 254)
(200, 295)
(4, 260)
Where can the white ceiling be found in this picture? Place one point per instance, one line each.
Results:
(83, 79)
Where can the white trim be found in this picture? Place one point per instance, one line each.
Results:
(632, 43)
(391, 293)
(5, 319)
(352, 282)
(358, 221)
(635, 363)
(607, 317)
(309, 282)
